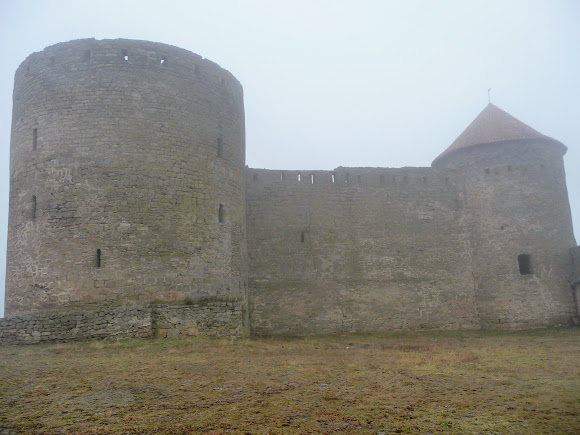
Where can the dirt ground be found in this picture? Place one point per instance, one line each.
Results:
(426, 383)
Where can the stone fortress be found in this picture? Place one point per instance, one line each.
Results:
(132, 214)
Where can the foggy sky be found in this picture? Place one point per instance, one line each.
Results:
(341, 83)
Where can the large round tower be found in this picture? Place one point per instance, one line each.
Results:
(518, 215)
(126, 178)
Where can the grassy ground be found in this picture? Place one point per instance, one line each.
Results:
(456, 382)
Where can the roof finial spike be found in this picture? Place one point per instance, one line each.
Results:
(488, 97)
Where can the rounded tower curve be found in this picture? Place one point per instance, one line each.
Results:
(518, 216)
(126, 178)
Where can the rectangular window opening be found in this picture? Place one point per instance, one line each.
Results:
(221, 214)
(281, 176)
(298, 177)
(34, 138)
(524, 264)
(125, 54)
(220, 147)
(98, 258)
(347, 178)
(312, 179)
(333, 178)
(163, 61)
(255, 177)
(302, 237)
(33, 206)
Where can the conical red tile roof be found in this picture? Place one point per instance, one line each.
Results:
(494, 125)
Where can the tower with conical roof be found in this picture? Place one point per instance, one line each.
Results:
(519, 220)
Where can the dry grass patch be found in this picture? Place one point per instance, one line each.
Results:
(438, 382)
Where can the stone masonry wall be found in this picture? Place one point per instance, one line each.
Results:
(126, 178)
(517, 205)
(218, 319)
(125, 322)
(358, 250)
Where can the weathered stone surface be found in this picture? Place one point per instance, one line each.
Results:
(114, 158)
(377, 249)
(214, 319)
(125, 322)
(128, 189)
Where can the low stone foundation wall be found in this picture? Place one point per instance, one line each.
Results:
(125, 322)
(218, 319)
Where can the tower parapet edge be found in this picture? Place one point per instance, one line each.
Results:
(126, 179)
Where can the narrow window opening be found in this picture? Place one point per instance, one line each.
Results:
(221, 214)
(298, 177)
(382, 178)
(524, 264)
(34, 138)
(281, 176)
(87, 55)
(125, 54)
(502, 227)
(33, 206)
(487, 171)
(220, 147)
(509, 168)
(333, 178)
(302, 236)
(347, 178)
(255, 177)
(312, 179)
(163, 61)
(98, 258)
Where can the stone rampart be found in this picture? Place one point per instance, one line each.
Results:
(358, 249)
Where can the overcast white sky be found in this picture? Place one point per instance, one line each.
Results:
(340, 83)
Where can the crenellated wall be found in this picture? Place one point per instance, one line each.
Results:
(376, 249)
(131, 208)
